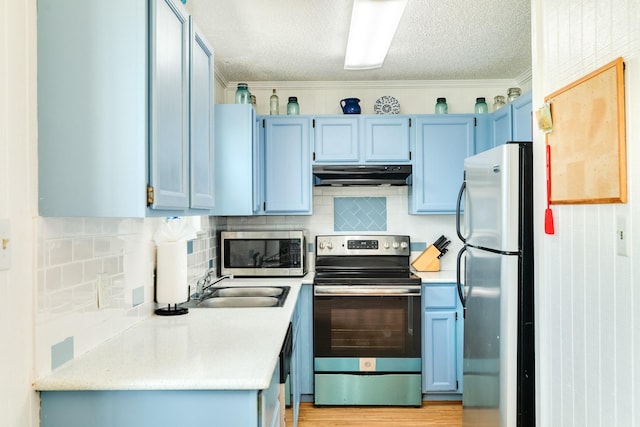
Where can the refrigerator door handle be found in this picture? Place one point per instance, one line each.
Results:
(458, 204)
(459, 283)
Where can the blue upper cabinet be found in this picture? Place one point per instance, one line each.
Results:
(114, 124)
(238, 161)
(501, 125)
(386, 139)
(352, 139)
(442, 142)
(169, 130)
(510, 123)
(287, 165)
(202, 120)
(336, 139)
(521, 118)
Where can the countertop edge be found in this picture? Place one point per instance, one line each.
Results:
(232, 364)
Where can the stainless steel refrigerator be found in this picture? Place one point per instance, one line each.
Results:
(495, 286)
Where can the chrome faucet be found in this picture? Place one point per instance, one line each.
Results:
(206, 282)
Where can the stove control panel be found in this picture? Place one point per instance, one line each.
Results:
(363, 245)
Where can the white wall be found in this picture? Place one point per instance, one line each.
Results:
(18, 404)
(588, 297)
(415, 97)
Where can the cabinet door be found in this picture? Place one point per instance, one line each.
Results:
(287, 165)
(483, 132)
(237, 160)
(169, 147)
(92, 114)
(305, 344)
(440, 351)
(202, 120)
(442, 144)
(522, 120)
(386, 139)
(335, 139)
(501, 126)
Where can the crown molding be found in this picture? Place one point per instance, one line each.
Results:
(390, 84)
(222, 80)
(525, 78)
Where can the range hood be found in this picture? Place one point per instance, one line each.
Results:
(361, 174)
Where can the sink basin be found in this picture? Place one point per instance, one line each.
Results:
(267, 291)
(239, 302)
(242, 296)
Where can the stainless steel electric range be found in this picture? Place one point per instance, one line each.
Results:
(366, 322)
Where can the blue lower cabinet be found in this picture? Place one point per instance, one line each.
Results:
(442, 339)
(149, 408)
(153, 408)
(305, 341)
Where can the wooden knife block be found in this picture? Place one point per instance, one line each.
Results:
(427, 260)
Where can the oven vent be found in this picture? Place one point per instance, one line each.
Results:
(361, 175)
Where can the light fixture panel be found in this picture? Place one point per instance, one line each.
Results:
(373, 25)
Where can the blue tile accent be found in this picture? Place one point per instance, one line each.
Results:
(61, 352)
(211, 263)
(418, 246)
(310, 247)
(360, 214)
(189, 247)
(137, 296)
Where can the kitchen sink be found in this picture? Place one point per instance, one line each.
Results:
(242, 296)
(239, 302)
(266, 291)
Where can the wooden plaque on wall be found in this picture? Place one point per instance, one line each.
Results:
(588, 142)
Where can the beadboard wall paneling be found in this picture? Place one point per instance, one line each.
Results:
(587, 295)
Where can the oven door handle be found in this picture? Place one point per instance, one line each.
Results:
(350, 290)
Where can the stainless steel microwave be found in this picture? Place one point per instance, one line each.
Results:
(262, 253)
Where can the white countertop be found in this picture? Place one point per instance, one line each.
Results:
(206, 349)
(443, 276)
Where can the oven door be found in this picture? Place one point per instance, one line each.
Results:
(367, 345)
(367, 321)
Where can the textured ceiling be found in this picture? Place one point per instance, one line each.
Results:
(305, 40)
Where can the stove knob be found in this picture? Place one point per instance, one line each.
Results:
(320, 245)
(403, 245)
(395, 245)
(329, 245)
(386, 245)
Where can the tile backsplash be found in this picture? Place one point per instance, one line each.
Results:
(83, 261)
(95, 278)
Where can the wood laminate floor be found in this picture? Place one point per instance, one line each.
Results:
(440, 414)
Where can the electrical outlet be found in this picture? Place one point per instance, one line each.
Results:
(5, 244)
(622, 237)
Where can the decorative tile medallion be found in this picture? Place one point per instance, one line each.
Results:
(360, 214)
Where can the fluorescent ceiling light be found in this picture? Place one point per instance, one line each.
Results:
(373, 25)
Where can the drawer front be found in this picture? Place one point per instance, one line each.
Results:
(440, 297)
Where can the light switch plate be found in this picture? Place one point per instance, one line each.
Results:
(5, 244)
(622, 237)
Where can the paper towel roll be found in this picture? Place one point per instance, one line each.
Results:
(171, 273)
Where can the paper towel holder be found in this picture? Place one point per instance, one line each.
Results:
(171, 288)
(171, 310)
